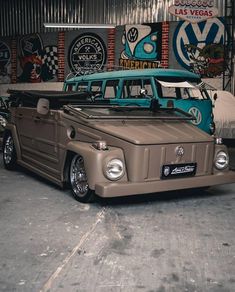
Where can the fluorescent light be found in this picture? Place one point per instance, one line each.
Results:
(77, 25)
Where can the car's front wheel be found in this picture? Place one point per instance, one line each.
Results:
(78, 180)
(9, 152)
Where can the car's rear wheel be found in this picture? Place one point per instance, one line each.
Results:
(78, 180)
(9, 152)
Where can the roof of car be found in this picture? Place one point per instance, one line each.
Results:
(160, 72)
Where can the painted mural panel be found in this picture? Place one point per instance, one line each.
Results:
(86, 51)
(5, 61)
(141, 45)
(37, 56)
(198, 47)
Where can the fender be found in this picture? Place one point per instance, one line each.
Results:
(96, 160)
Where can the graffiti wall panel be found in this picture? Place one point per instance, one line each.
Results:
(37, 58)
(85, 51)
(140, 46)
(198, 47)
(5, 61)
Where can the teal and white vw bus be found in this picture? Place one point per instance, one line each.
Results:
(171, 88)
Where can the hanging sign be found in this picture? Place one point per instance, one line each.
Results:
(194, 10)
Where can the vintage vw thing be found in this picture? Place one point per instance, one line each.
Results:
(110, 150)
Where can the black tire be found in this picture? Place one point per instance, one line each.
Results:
(9, 152)
(78, 180)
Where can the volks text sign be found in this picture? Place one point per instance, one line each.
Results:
(194, 10)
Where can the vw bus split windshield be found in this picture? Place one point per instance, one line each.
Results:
(181, 90)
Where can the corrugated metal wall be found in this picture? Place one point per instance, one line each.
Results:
(19, 17)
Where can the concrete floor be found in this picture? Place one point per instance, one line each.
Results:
(180, 242)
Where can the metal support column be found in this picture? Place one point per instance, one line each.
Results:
(229, 46)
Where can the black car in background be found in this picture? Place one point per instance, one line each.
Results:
(4, 114)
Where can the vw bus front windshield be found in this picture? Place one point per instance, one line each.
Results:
(181, 90)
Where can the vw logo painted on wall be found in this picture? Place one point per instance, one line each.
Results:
(87, 53)
(132, 34)
(197, 114)
(198, 36)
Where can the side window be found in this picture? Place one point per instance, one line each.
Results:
(167, 92)
(132, 88)
(96, 88)
(82, 86)
(70, 87)
(111, 89)
(174, 92)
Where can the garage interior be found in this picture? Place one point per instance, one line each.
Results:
(179, 241)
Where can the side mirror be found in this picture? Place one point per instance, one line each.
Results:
(143, 92)
(43, 106)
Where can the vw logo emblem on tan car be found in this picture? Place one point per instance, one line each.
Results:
(179, 151)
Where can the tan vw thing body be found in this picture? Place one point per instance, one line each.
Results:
(45, 139)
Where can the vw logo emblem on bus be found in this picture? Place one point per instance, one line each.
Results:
(196, 114)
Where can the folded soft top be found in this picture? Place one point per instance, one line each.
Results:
(57, 99)
(49, 94)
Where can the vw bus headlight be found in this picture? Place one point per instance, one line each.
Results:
(221, 160)
(114, 169)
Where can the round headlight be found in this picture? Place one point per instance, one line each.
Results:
(114, 169)
(3, 121)
(221, 160)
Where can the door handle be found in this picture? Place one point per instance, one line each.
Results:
(20, 116)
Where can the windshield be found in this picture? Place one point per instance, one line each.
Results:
(137, 88)
(180, 90)
(119, 112)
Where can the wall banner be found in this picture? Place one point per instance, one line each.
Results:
(87, 53)
(142, 46)
(38, 62)
(5, 58)
(194, 10)
(199, 47)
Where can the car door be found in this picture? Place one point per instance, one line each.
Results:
(38, 139)
(25, 129)
(46, 142)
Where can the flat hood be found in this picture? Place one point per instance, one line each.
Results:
(147, 132)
